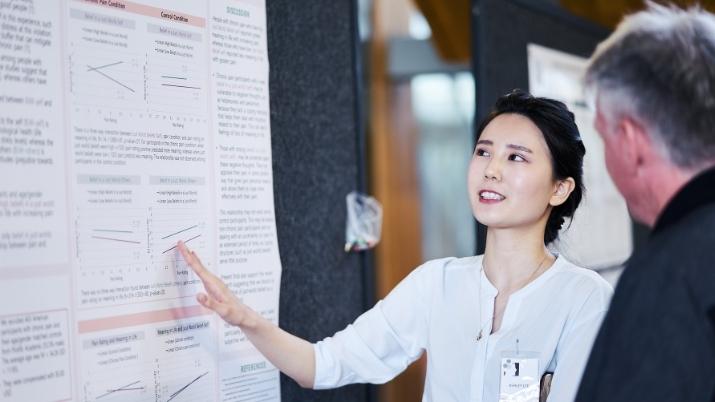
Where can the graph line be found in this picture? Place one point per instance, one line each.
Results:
(112, 231)
(127, 387)
(180, 231)
(175, 394)
(98, 71)
(185, 241)
(173, 77)
(180, 86)
(115, 239)
(104, 66)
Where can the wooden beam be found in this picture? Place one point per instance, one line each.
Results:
(609, 13)
(450, 24)
(394, 182)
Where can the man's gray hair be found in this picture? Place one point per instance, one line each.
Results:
(658, 68)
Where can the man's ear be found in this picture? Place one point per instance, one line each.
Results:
(562, 190)
(636, 144)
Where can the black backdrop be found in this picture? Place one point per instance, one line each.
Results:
(318, 158)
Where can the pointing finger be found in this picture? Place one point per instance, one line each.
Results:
(192, 260)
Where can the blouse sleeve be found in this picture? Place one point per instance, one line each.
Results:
(382, 342)
(575, 345)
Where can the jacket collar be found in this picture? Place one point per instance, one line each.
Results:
(698, 192)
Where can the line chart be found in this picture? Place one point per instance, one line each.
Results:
(117, 381)
(108, 79)
(133, 386)
(176, 86)
(182, 389)
(99, 69)
(167, 227)
(188, 374)
(185, 241)
(179, 232)
(119, 238)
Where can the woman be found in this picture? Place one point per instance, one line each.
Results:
(492, 324)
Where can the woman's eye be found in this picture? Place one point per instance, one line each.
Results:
(481, 152)
(516, 158)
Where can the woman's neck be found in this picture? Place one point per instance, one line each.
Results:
(514, 257)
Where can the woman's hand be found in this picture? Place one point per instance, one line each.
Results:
(292, 355)
(218, 296)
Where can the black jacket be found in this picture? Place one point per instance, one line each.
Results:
(657, 341)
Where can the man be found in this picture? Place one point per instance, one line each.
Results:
(654, 84)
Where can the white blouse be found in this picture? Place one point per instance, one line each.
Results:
(434, 309)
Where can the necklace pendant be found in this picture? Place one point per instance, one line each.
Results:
(479, 336)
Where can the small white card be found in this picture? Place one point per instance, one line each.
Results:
(519, 377)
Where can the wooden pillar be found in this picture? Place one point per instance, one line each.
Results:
(394, 181)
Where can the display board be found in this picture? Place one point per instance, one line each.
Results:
(318, 158)
(126, 126)
(599, 235)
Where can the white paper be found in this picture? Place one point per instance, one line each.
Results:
(33, 208)
(144, 123)
(600, 234)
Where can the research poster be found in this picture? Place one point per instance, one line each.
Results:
(126, 126)
(600, 235)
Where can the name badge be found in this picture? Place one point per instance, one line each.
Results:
(519, 377)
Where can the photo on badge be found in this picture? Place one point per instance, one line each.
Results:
(519, 377)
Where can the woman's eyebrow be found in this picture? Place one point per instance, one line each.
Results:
(512, 146)
(520, 148)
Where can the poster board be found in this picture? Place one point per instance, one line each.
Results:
(125, 127)
(599, 235)
(317, 153)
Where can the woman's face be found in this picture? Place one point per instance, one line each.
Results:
(510, 178)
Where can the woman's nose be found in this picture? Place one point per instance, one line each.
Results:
(492, 171)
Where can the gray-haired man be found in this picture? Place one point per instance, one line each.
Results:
(654, 81)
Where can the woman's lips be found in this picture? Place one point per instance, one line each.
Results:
(490, 197)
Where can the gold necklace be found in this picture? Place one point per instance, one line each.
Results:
(481, 269)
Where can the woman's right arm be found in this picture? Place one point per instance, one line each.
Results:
(380, 344)
(293, 356)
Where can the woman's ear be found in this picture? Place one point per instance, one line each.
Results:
(562, 190)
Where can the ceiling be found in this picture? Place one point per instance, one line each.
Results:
(450, 19)
(609, 12)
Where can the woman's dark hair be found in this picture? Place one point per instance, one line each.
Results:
(559, 129)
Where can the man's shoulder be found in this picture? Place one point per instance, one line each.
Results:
(696, 229)
(688, 244)
(680, 256)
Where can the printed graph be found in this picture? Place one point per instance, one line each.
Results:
(134, 387)
(176, 87)
(119, 382)
(111, 239)
(185, 377)
(130, 255)
(110, 79)
(99, 70)
(186, 386)
(167, 227)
